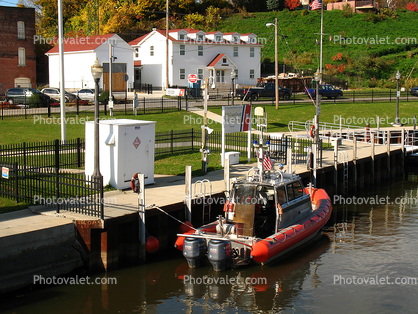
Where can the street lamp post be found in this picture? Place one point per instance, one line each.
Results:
(233, 87)
(398, 76)
(96, 72)
(276, 62)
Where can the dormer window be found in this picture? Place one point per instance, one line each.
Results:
(235, 39)
(252, 40)
(182, 37)
(224, 60)
(218, 38)
(200, 37)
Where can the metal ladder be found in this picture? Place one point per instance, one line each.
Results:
(206, 198)
(344, 161)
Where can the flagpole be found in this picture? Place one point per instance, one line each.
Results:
(322, 33)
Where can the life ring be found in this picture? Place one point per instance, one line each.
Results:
(135, 183)
(312, 131)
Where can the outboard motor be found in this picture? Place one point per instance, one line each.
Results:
(194, 251)
(219, 254)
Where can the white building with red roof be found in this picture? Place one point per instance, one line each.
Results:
(80, 54)
(192, 51)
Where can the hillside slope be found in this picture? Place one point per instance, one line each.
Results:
(366, 46)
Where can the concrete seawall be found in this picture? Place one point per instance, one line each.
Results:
(41, 247)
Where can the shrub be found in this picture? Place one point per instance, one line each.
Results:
(104, 97)
(36, 101)
(347, 11)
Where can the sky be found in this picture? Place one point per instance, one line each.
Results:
(8, 3)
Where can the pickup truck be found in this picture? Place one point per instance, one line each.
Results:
(325, 91)
(262, 90)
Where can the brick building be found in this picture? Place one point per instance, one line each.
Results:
(17, 48)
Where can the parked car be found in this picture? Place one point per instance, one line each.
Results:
(414, 91)
(55, 94)
(262, 90)
(325, 91)
(21, 95)
(86, 94)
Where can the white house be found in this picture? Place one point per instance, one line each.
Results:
(191, 51)
(80, 54)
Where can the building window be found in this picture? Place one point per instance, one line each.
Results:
(235, 39)
(200, 74)
(235, 51)
(200, 37)
(182, 50)
(21, 56)
(20, 30)
(252, 52)
(224, 60)
(218, 38)
(151, 51)
(182, 74)
(136, 53)
(252, 40)
(200, 50)
(251, 74)
(181, 37)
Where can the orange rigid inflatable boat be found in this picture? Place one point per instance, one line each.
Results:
(267, 214)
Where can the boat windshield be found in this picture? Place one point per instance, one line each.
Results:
(244, 194)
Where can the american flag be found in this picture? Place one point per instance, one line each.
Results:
(315, 5)
(267, 161)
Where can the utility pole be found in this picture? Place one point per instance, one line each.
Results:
(110, 79)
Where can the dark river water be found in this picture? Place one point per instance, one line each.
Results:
(366, 261)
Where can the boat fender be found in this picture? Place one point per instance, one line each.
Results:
(312, 131)
(135, 183)
(280, 209)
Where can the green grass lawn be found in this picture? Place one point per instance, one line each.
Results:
(33, 129)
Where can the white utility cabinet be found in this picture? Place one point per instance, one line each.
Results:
(126, 147)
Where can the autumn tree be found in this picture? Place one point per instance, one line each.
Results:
(291, 4)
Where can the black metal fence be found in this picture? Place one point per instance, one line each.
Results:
(51, 154)
(62, 191)
(188, 141)
(143, 106)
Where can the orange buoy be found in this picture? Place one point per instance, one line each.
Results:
(152, 244)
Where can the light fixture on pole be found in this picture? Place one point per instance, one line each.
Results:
(96, 72)
(233, 86)
(398, 76)
(276, 62)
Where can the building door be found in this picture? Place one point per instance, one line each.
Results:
(220, 76)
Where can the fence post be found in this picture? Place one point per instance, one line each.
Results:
(354, 96)
(390, 95)
(101, 198)
(372, 95)
(162, 104)
(15, 170)
(57, 170)
(171, 141)
(57, 154)
(192, 140)
(78, 152)
(48, 105)
(24, 155)
(77, 106)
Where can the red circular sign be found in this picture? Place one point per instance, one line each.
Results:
(192, 78)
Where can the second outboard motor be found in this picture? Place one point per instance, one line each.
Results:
(219, 254)
(194, 251)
